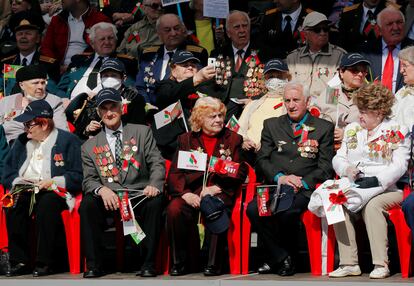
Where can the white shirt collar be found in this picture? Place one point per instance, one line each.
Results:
(28, 57)
(294, 15)
(110, 132)
(167, 51)
(385, 46)
(236, 49)
(368, 9)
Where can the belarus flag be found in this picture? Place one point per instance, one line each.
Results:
(168, 114)
(188, 160)
(233, 124)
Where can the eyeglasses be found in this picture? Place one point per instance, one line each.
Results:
(188, 64)
(357, 70)
(28, 125)
(317, 30)
(154, 6)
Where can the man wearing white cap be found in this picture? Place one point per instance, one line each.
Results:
(316, 63)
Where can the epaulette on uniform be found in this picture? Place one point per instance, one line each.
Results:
(151, 49)
(350, 8)
(47, 59)
(125, 56)
(195, 49)
(271, 11)
(9, 58)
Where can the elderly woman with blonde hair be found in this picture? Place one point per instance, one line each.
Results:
(403, 109)
(192, 191)
(374, 155)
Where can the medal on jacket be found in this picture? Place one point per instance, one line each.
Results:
(254, 84)
(58, 158)
(308, 148)
(105, 162)
(223, 70)
(128, 152)
(279, 145)
(149, 74)
(225, 153)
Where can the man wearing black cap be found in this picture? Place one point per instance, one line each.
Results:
(27, 34)
(32, 81)
(121, 156)
(81, 111)
(50, 159)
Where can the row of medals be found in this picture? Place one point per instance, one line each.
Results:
(223, 70)
(106, 164)
(254, 84)
(308, 149)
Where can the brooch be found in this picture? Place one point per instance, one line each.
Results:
(279, 145)
(351, 135)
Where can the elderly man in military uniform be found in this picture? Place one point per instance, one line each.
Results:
(296, 153)
(28, 35)
(142, 34)
(154, 61)
(316, 63)
(280, 30)
(120, 162)
(358, 24)
(82, 74)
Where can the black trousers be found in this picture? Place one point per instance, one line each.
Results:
(182, 220)
(49, 227)
(278, 232)
(93, 221)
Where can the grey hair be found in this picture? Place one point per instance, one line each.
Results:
(158, 23)
(296, 85)
(407, 54)
(232, 12)
(387, 10)
(102, 26)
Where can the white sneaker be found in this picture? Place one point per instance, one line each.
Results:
(346, 270)
(379, 272)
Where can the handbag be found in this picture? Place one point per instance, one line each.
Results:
(273, 199)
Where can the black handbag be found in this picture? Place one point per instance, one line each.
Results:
(367, 182)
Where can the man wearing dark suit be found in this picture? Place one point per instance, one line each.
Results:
(296, 150)
(383, 55)
(120, 157)
(279, 34)
(28, 34)
(358, 25)
(239, 54)
(154, 61)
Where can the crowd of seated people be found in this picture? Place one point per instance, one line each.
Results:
(101, 100)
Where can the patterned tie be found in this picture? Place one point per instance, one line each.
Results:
(118, 149)
(239, 60)
(388, 71)
(93, 76)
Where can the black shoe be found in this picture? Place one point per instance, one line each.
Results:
(94, 273)
(178, 270)
(212, 270)
(147, 271)
(286, 267)
(265, 269)
(18, 269)
(42, 271)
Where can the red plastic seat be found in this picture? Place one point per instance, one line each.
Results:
(3, 227)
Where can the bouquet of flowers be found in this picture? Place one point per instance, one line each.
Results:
(10, 199)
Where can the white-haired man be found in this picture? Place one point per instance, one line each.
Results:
(82, 75)
(296, 153)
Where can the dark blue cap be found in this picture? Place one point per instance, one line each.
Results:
(183, 56)
(35, 109)
(113, 64)
(276, 65)
(351, 59)
(215, 215)
(108, 94)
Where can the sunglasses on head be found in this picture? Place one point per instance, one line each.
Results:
(154, 6)
(317, 30)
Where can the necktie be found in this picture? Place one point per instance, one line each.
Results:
(24, 62)
(388, 71)
(369, 23)
(93, 76)
(288, 27)
(167, 68)
(239, 60)
(118, 149)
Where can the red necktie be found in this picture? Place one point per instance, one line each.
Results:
(388, 69)
(239, 60)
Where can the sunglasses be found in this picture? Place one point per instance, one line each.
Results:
(357, 70)
(154, 6)
(317, 30)
(28, 125)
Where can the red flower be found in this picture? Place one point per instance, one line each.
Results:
(219, 167)
(193, 96)
(314, 111)
(337, 199)
(7, 200)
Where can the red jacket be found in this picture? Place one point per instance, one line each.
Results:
(56, 41)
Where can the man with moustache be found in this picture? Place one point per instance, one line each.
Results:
(296, 153)
(383, 54)
(28, 36)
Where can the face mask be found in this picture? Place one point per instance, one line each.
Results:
(111, 82)
(275, 84)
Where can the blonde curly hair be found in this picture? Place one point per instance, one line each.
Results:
(203, 107)
(375, 97)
